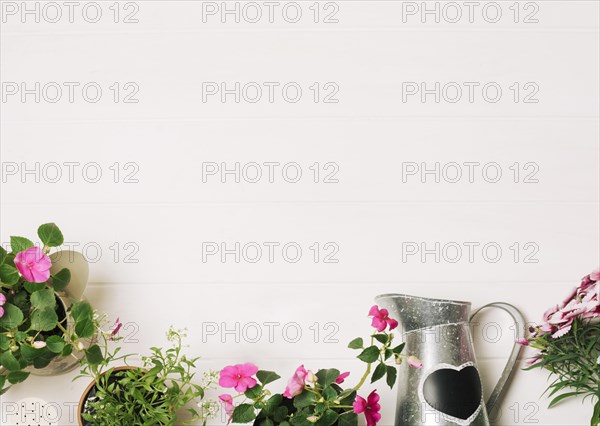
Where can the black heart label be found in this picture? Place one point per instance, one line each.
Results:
(455, 392)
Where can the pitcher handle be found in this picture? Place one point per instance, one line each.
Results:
(514, 355)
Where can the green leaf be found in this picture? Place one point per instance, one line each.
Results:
(93, 355)
(348, 419)
(254, 393)
(85, 328)
(329, 393)
(9, 274)
(381, 338)
(19, 244)
(328, 418)
(82, 310)
(267, 422)
(369, 355)
(29, 353)
(43, 299)
(44, 319)
(243, 413)
(356, 343)
(13, 317)
(67, 350)
(392, 373)
(561, 397)
(50, 235)
(379, 372)
(305, 399)
(398, 349)
(327, 376)
(8, 361)
(273, 404)
(17, 377)
(55, 344)
(33, 287)
(61, 279)
(266, 377)
(3, 254)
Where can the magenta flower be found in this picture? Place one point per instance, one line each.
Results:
(381, 319)
(238, 377)
(114, 330)
(227, 401)
(2, 302)
(370, 407)
(33, 265)
(414, 362)
(342, 377)
(295, 385)
(522, 341)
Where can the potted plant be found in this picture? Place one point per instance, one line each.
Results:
(42, 330)
(568, 345)
(151, 394)
(319, 398)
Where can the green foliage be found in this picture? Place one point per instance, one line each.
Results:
(573, 361)
(149, 395)
(32, 315)
(321, 401)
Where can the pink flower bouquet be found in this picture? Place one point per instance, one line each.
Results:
(316, 398)
(568, 345)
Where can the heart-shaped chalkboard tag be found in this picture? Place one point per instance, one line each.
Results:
(454, 391)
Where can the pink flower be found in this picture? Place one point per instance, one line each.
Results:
(238, 377)
(342, 377)
(295, 385)
(2, 302)
(370, 407)
(522, 341)
(227, 401)
(414, 362)
(114, 330)
(381, 319)
(33, 265)
(595, 275)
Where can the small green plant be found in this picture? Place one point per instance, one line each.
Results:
(149, 395)
(33, 323)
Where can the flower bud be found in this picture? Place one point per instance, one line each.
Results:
(312, 419)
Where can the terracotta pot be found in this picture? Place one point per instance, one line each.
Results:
(91, 387)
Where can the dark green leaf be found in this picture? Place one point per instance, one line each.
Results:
(381, 338)
(50, 235)
(8, 361)
(348, 419)
(356, 343)
(328, 418)
(254, 392)
(266, 377)
(13, 316)
(82, 310)
(305, 399)
(379, 372)
(44, 319)
(43, 299)
(33, 287)
(392, 373)
(84, 328)
(243, 413)
(55, 344)
(9, 274)
(561, 397)
(93, 355)
(19, 244)
(370, 354)
(61, 279)
(17, 377)
(327, 376)
(3, 254)
(398, 349)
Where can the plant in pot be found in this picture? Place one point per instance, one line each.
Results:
(42, 331)
(321, 398)
(151, 394)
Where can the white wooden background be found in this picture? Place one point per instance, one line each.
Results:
(145, 238)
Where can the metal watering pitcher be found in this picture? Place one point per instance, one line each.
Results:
(447, 390)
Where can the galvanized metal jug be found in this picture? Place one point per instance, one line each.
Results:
(447, 390)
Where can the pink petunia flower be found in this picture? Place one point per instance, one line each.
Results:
(295, 385)
(414, 362)
(33, 265)
(370, 407)
(381, 319)
(238, 377)
(114, 330)
(2, 302)
(342, 377)
(227, 401)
